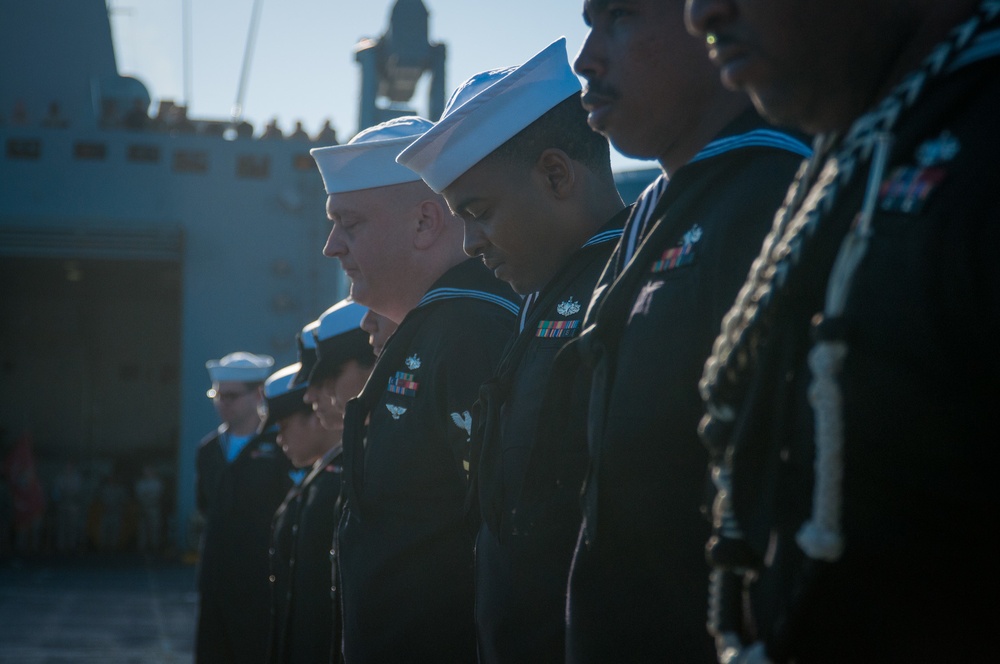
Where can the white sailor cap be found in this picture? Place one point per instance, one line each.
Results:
(306, 342)
(241, 367)
(369, 159)
(281, 397)
(339, 338)
(487, 111)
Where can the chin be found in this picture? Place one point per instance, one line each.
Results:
(783, 109)
(522, 286)
(631, 146)
(360, 295)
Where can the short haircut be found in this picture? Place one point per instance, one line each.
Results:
(564, 127)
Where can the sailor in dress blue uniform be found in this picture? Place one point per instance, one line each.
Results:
(851, 398)
(242, 478)
(638, 585)
(405, 542)
(334, 354)
(514, 157)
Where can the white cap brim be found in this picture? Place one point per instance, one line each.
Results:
(369, 159)
(470, 131)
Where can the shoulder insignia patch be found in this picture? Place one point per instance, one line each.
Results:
(403, 383)
(463, 422)
(556, 328)
(568, 308)
(413, 362)
(395, 411)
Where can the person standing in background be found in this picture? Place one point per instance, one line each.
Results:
(242, 478)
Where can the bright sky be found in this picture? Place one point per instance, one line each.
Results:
(302, 66)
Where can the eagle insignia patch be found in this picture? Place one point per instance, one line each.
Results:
(463, 422)
(395, 411)
(568, 308)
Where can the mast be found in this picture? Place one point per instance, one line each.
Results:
(247, 56)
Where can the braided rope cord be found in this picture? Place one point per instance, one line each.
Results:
(806, 205)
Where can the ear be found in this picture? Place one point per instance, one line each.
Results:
(430, 223)
(558, 172)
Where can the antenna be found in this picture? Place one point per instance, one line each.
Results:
(186, 38)
(247, 55)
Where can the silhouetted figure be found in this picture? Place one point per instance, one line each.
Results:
(299, 133)
(149, 494)
(271, 131)
(28, 496)
(68, 494)
(113, 497)
(244, 130)
(327, 134)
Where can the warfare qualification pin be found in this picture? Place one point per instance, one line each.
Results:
(693, 235)
(937, 151)
(413, 362)
(568, 308)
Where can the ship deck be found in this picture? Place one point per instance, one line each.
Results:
(109, 609)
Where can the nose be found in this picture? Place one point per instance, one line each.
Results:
(589, 62)
(334, 247)
(474, 241)
(703, 16)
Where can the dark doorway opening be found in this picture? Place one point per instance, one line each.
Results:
(89, 369)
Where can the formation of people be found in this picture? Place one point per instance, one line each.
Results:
(170, 118)
(744, 419)
(79, 508)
